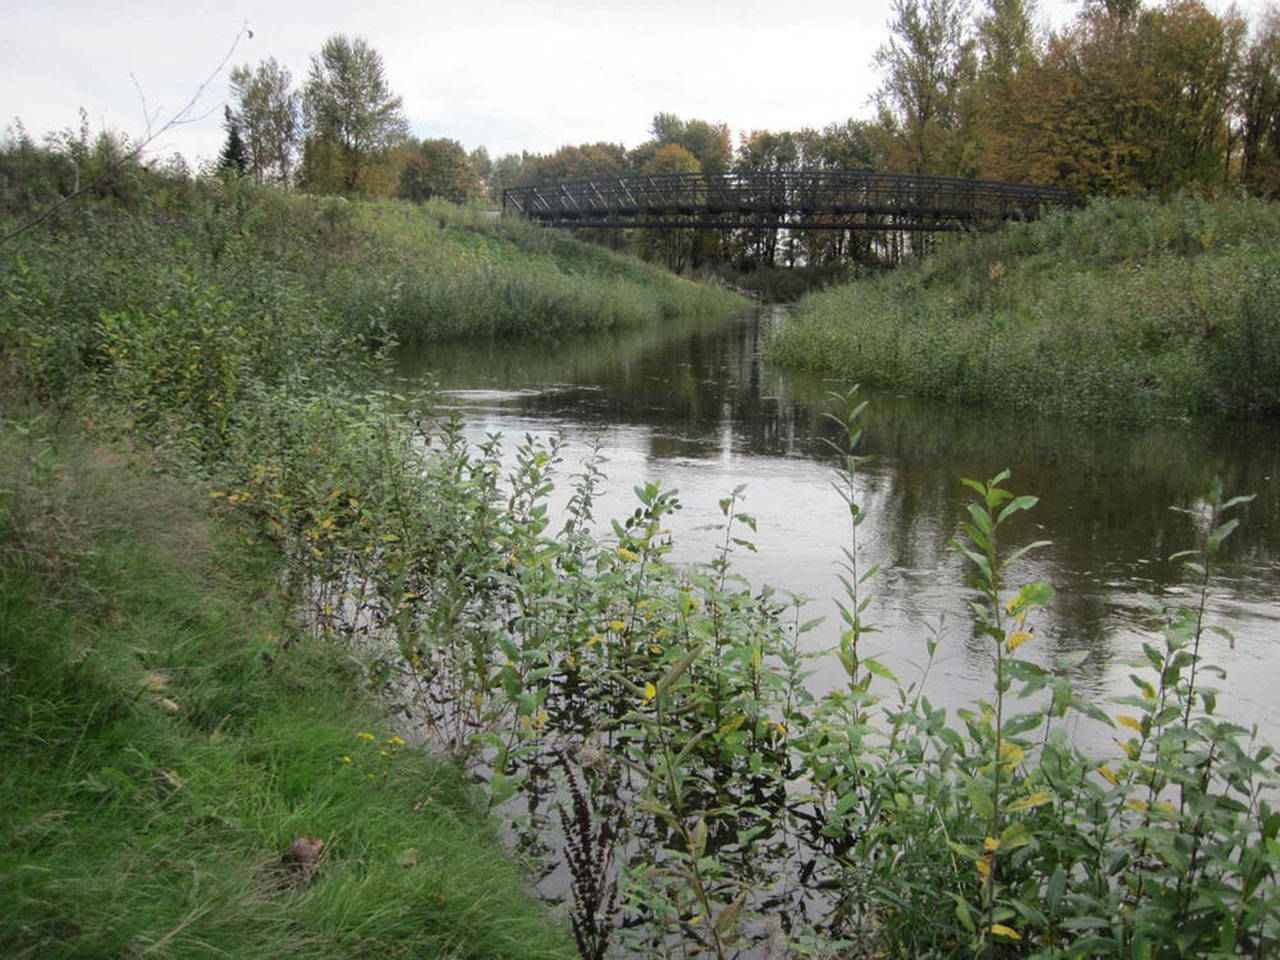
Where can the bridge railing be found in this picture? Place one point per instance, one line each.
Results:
(846, 196)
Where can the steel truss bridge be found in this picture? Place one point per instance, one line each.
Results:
(801, 200)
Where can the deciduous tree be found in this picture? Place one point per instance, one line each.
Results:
(928, 61)
(438, 168)
(1258, 107)
(352, 118)
(266, 106)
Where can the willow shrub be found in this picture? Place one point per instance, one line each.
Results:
(655, 719)
(1128, 309)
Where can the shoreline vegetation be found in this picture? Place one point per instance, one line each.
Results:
(641, 726)
(1129, 310)
(170, 727)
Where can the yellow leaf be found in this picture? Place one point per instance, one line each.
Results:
(1129, 722)
(626, 554)
(1000, 930)
(1108, 775)
(1037, 799)
(1017, 640)
(991, 844)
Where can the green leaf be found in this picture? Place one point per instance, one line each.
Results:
(1017, 554)
(880, 670)
(1056, 888)
(1015, 505)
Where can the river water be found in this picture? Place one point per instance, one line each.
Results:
(697, 407)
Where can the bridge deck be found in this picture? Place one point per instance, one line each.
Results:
(823, 200)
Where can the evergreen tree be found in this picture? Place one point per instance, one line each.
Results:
(233, 158)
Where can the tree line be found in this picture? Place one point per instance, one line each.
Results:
(343, 132)
(1123, 99)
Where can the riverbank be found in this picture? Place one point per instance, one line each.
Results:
(645, 725)
(169, 732)
(1126, 310)
(170, 726)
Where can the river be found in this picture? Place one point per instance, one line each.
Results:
(697, 407)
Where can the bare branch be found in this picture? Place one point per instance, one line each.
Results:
(180, 118)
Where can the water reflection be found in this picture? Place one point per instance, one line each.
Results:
(697, 407)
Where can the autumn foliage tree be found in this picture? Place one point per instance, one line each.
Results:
(437, 168)
(1125, 100)
(672, 246)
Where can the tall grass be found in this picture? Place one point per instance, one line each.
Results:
(166, 734)
(1126, 310)
(457, 272)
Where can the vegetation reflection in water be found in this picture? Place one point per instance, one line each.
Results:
(703, 412)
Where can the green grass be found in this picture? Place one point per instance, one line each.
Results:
(446, 272)
(1126, 310)
(166, 733)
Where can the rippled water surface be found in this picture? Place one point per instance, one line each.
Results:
(699, 409)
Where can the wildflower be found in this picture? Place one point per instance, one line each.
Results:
(650, 691)
(991, 844)
(365, 736)
(396, 742)
(346, 759)
(617, 626)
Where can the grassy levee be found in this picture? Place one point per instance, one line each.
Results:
(1125, 310)
(166, 733)
(446, 271)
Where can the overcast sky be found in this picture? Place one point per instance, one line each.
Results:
(502, 74)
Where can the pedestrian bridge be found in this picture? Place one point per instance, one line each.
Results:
(795, 200)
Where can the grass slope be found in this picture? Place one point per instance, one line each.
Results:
(164, 736)
(1126, 310)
